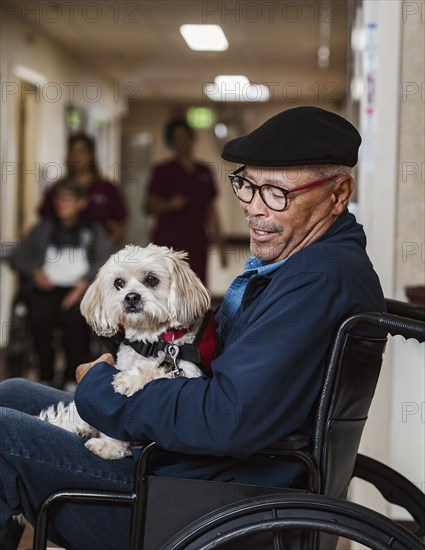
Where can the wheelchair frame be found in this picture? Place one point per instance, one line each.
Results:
(284, 510)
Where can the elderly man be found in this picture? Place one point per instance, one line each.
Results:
(309, 270)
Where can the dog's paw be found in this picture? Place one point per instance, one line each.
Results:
(84, 430)
(129, 382)
(110, 449)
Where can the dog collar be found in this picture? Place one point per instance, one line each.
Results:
(201, 351)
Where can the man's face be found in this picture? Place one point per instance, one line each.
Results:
(277, 235)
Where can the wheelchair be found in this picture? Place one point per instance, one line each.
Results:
(207, 514)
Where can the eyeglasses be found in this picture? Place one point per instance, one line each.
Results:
(274, 197)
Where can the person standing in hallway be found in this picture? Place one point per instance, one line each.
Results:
(106, 204)
(181, 196)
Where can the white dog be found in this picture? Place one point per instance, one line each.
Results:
(153, 297)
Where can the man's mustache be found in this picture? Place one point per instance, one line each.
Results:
(259, 224)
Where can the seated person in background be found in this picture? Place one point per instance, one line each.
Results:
(105, 204)
(56, 262)
(309, 271)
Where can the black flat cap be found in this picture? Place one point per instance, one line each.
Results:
(297, 137)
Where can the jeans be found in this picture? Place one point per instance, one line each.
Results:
(37, 458)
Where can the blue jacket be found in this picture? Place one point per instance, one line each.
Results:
(266, 378)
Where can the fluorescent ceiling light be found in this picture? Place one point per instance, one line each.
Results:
(204, 37)
(29, 75)
(231, 80)
(236, 88)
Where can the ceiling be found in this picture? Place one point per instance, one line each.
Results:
(138, 44)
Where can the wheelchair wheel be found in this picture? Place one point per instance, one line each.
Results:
(234, 523)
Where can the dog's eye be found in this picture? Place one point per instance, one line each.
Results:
(151, 281)
(119, 283)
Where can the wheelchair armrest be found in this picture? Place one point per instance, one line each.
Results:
(294, 445)
(292, 442)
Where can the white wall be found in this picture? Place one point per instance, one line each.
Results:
(392, 212)
(28, 54)
(407, 428)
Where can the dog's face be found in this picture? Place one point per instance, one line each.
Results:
(145, 290)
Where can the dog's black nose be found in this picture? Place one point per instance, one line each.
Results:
(132, 298)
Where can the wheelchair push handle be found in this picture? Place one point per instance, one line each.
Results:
(403, 326)
(392, 324)
(404, 309)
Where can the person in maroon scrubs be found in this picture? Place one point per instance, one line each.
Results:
(106, 204)
(181, 195)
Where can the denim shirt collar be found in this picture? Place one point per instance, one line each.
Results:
(262, 267)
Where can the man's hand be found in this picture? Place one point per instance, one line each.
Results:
(83, 369)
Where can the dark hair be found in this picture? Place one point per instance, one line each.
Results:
(90, 143)
(171, 125)
(71, 186)
(82, 136)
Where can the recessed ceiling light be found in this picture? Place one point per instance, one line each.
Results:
(229, 80)
(236, 88)
(204, 37)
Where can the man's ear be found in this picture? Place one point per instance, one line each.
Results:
(341, 192)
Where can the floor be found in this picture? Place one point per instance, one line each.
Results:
(26, 541)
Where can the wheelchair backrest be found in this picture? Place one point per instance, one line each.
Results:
(349, 385)
(346, 396)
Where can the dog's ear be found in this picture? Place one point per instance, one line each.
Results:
(188, 298)
(93, 307)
